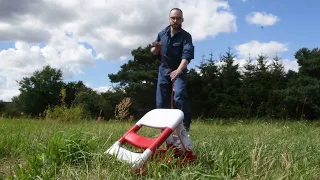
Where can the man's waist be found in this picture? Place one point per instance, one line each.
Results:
(171, 68)
(170, 64)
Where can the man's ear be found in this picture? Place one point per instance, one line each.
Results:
(182, 19)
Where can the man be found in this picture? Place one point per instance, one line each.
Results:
(175, 46)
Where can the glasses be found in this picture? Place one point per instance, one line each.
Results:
(176, 18)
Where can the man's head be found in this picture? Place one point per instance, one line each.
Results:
(176, 18)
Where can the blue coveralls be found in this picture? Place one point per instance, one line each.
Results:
(173, 50)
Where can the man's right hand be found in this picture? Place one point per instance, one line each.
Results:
(156, 48)
(157, 45)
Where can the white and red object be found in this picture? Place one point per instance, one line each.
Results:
(168, 120)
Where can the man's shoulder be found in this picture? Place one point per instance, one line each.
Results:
(185, 32)
(167, 29)
(164, 30)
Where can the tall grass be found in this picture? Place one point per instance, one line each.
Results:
(34, 149)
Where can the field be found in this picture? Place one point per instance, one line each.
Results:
(34, 149)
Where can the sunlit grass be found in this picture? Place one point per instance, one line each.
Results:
(232, 150)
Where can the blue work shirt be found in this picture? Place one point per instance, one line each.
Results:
(175, 48)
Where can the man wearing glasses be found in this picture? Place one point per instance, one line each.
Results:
(175, 46)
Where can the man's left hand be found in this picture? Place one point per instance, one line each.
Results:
(174, 74)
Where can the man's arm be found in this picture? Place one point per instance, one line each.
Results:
(184, 63)
(155, 49)
(187, 53)
(156, 46)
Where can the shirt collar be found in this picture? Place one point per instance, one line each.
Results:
(168, 30)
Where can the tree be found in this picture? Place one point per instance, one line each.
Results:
(227, 87)
(202, 88)
(40, 90)
(309, 62)
(72, 89)
(302, 96)
(138, 78)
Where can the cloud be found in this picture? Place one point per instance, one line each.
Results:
(255, 48)
(103, 89)
(24, 59)
(111, 28)
(269, 49)
(262, 19)
(53, 32)
(7, 94)
(61, 52)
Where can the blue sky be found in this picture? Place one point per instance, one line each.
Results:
(296, 28)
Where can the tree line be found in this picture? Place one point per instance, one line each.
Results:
(217, 88)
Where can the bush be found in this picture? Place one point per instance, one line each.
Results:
(65, 114)
(122, 110)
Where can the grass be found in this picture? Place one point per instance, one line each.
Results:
(34, 149)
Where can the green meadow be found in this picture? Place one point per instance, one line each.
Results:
(233, 149)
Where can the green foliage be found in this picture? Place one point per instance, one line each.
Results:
(137, 77)
(71, 90)
(260, 82)
(11, 109)
(309, 62)
(65, 114)
(227, 87)
(40, 90)
(302, 98)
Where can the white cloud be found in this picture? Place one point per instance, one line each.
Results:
(22, 60)
(262, 18)
(7, 94)
(269, 49)
(290, 64)
(103, 89)
(51, 32)
(255, 48)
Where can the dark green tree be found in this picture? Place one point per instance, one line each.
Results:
(202, 88)
(138, 78)
(256, 87)
(40, 90)
(302, 97)
(227, 87)
(309, 62)
(72, 89)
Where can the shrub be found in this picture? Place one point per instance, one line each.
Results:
(122, 110)
(65, 114)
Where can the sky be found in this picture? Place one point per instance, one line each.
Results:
(89, 39)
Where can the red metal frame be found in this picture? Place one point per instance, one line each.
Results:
(142, 142)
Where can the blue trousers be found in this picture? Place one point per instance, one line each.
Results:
(164, 92)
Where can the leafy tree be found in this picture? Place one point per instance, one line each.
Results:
(256, 87)
(227, 87)
(91, 101)
(112, 98)
(72, 88)
(309, 62)
(40, 90)
(302, 96)
(202, 88)
(138, 78)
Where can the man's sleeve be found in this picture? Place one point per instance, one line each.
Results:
(188, 48)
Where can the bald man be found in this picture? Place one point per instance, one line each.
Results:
(175, 46)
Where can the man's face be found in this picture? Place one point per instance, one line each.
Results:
(175, 19)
